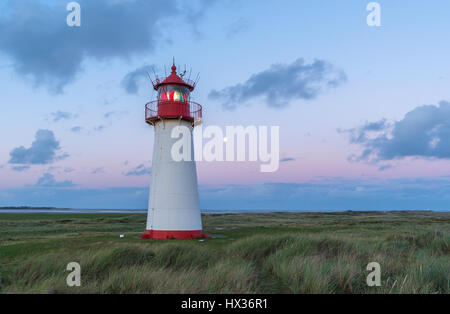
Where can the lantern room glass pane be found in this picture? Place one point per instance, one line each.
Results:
(174, 93)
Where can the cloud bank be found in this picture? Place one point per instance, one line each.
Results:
(20, 168)
(423, 132)
(42, 47)
(282, 83)
(139, 171)
(131, 81)
(61, 115)
(324, 194)
(42, 151)
(48, 180)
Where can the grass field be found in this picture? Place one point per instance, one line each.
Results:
(250, 253)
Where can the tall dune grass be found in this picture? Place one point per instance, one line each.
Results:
(282, 255)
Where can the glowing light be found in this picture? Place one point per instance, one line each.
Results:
(177, 96)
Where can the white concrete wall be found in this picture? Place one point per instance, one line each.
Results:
(173, 203)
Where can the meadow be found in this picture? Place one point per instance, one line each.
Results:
(248, 253)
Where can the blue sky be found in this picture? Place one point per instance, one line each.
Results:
(73, 134)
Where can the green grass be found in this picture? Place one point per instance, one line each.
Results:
(253, 253)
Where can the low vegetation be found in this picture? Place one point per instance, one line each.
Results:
(248, 253)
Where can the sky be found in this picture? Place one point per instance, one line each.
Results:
(363, 111)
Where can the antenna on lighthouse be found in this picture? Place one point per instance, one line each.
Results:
(197, 79)
(173, 63)
(150, 79)
(184, 72)
(156, 75)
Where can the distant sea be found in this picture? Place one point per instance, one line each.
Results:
(70, 211)
(110, 211)
(144, 211)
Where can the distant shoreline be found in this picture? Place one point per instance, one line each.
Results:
(29, 207)
(55, 210)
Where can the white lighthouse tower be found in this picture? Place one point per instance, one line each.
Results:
(173, 211)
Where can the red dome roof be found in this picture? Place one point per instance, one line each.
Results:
(174, 79)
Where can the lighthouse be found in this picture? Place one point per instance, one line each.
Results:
(173, 210)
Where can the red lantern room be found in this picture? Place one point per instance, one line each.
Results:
(173, 100)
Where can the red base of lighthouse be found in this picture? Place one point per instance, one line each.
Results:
(181, 235)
